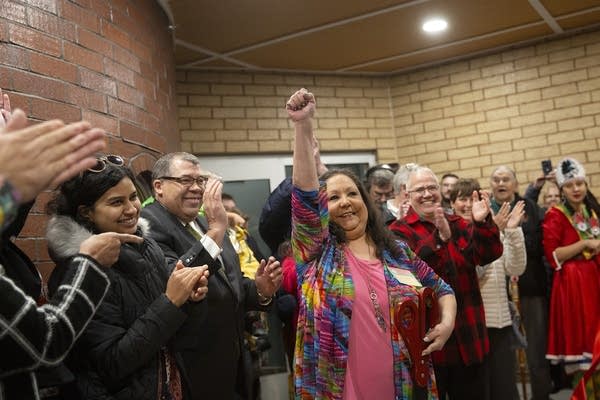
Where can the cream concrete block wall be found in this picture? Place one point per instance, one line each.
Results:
(516, 107)
(243, 113)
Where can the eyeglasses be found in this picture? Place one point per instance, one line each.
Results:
(187, 181)
(421, 190)
(103, 160)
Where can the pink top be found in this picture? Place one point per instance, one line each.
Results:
(370, 369)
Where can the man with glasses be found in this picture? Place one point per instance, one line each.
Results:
(453, 247)
(212, 360)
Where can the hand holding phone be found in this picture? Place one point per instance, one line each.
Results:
(546, 166)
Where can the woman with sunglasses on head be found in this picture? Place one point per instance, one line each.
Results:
(128, 350)
(572, 247)
(352, 274)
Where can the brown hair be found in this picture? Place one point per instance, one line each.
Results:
(464, 187)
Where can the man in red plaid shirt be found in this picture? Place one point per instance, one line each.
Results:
(453, 247)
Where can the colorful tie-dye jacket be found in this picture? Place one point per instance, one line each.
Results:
(326, 303)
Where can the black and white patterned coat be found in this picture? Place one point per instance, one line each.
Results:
(32, 337)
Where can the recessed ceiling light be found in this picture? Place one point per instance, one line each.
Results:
(435, 25)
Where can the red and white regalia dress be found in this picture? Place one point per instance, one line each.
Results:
(575, 301)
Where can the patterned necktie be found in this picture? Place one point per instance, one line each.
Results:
(194, 232)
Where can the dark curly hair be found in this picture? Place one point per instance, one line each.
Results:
(376, 230)
(84, 190)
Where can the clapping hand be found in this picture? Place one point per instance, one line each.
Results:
(501, 217)
(5, 109)
(441, 223)
(516, 215)
(214, 210)
(507, 218)
(186, 283)
(236, 220)
(47, 154)
(268, 277)
(201, 288)
(481, 207)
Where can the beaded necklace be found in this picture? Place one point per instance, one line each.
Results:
(377, 311)
(376, 307)
(585, 224)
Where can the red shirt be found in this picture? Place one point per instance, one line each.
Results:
(471, 244)
(289, 284)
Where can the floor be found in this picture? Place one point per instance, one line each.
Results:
(275, 387)
(564, 394)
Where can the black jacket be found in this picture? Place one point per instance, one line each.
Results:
(212, 358)
(122, 351)
(534, 281)
(275, 224)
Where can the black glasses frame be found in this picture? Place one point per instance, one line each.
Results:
(187, 181)
(103, 160)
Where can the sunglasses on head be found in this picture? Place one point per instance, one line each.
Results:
(103, 160)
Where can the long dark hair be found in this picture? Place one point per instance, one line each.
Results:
(376, 230)
(589, 201)
(84, 190)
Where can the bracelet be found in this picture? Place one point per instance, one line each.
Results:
(262, 299)
(10, 199)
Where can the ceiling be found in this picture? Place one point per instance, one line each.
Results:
(377, 37)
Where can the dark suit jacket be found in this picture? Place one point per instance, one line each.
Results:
(212, 359)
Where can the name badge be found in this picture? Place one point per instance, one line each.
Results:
(406, 277)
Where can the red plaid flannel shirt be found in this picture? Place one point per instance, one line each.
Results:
(471, 244)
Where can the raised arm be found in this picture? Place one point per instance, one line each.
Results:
(301, 107)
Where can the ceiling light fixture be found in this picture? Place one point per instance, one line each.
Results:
(435, 25)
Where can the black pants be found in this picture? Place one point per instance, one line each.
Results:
(502, 377)
(462, 382)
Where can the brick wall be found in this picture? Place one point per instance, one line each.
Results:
(243, 113)
(516, 107)
(110, 63)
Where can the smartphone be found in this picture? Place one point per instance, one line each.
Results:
(546, 166)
